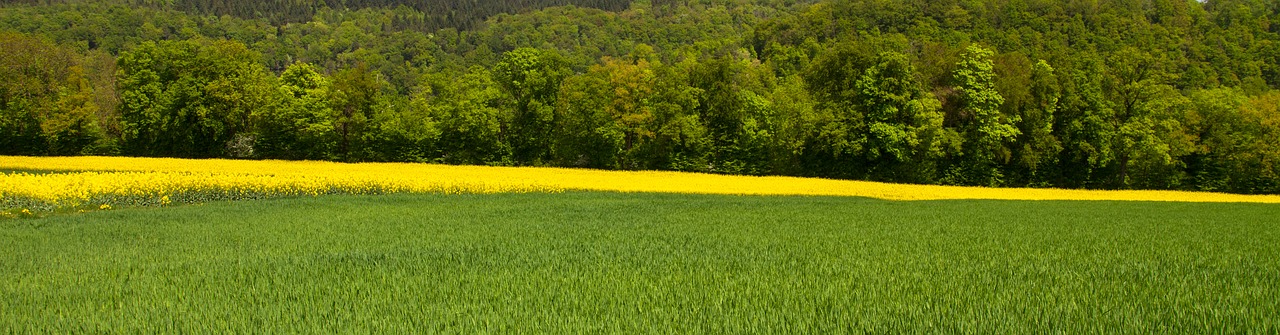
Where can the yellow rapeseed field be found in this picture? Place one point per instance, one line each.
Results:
(80, 180)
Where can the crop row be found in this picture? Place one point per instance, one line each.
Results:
(52, 183)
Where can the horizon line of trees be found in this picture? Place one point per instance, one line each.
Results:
(430, 14)
(1178, 95)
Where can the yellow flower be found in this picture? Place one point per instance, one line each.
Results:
(104, 207)
(25, 211)
(164, 201)
(213, 179)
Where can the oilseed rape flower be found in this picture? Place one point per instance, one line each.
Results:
(75, 182)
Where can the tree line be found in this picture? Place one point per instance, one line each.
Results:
(430, 14)
(1159, 94)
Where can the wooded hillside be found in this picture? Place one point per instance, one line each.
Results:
(1159, 94)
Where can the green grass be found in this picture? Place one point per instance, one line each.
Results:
(645, 263)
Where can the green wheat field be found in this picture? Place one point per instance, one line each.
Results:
(588, 262)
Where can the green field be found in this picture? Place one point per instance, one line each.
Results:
(644, 263)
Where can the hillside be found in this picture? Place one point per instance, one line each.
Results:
(429, 14)
(1119, 94)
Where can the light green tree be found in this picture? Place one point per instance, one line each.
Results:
(988, 133)
(302, 127)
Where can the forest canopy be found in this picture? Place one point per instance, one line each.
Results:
(1111, 94)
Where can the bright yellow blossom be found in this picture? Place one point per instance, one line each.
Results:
(89, 178)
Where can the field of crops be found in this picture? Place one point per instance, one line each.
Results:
(589, 262)
(413, 248)
(44, 184)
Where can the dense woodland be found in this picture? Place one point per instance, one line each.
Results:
(425, 15)
(1115, 94)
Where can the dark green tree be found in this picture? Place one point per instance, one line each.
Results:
(531, 77)
(191, 98)
(47, 104)
(466, 108)
(1035, 101)
(877, 121)
(356, 94)
(587, 134)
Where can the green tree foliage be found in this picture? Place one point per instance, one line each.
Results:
(735, 113)
(191, 98)
(681, 140)
(1237, 141)
(302, 126)
(357, 94)
(1114, 94)
(1031, 93)
(46, 100)
(587, 135)
(904, 125)
(532, 78)
(879, 123)
(1084, 127)
(467, 110)
(1258, 168)
(988, 133)
(1150, 137)
(405, 133)
(794, 119)
(605, 115)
